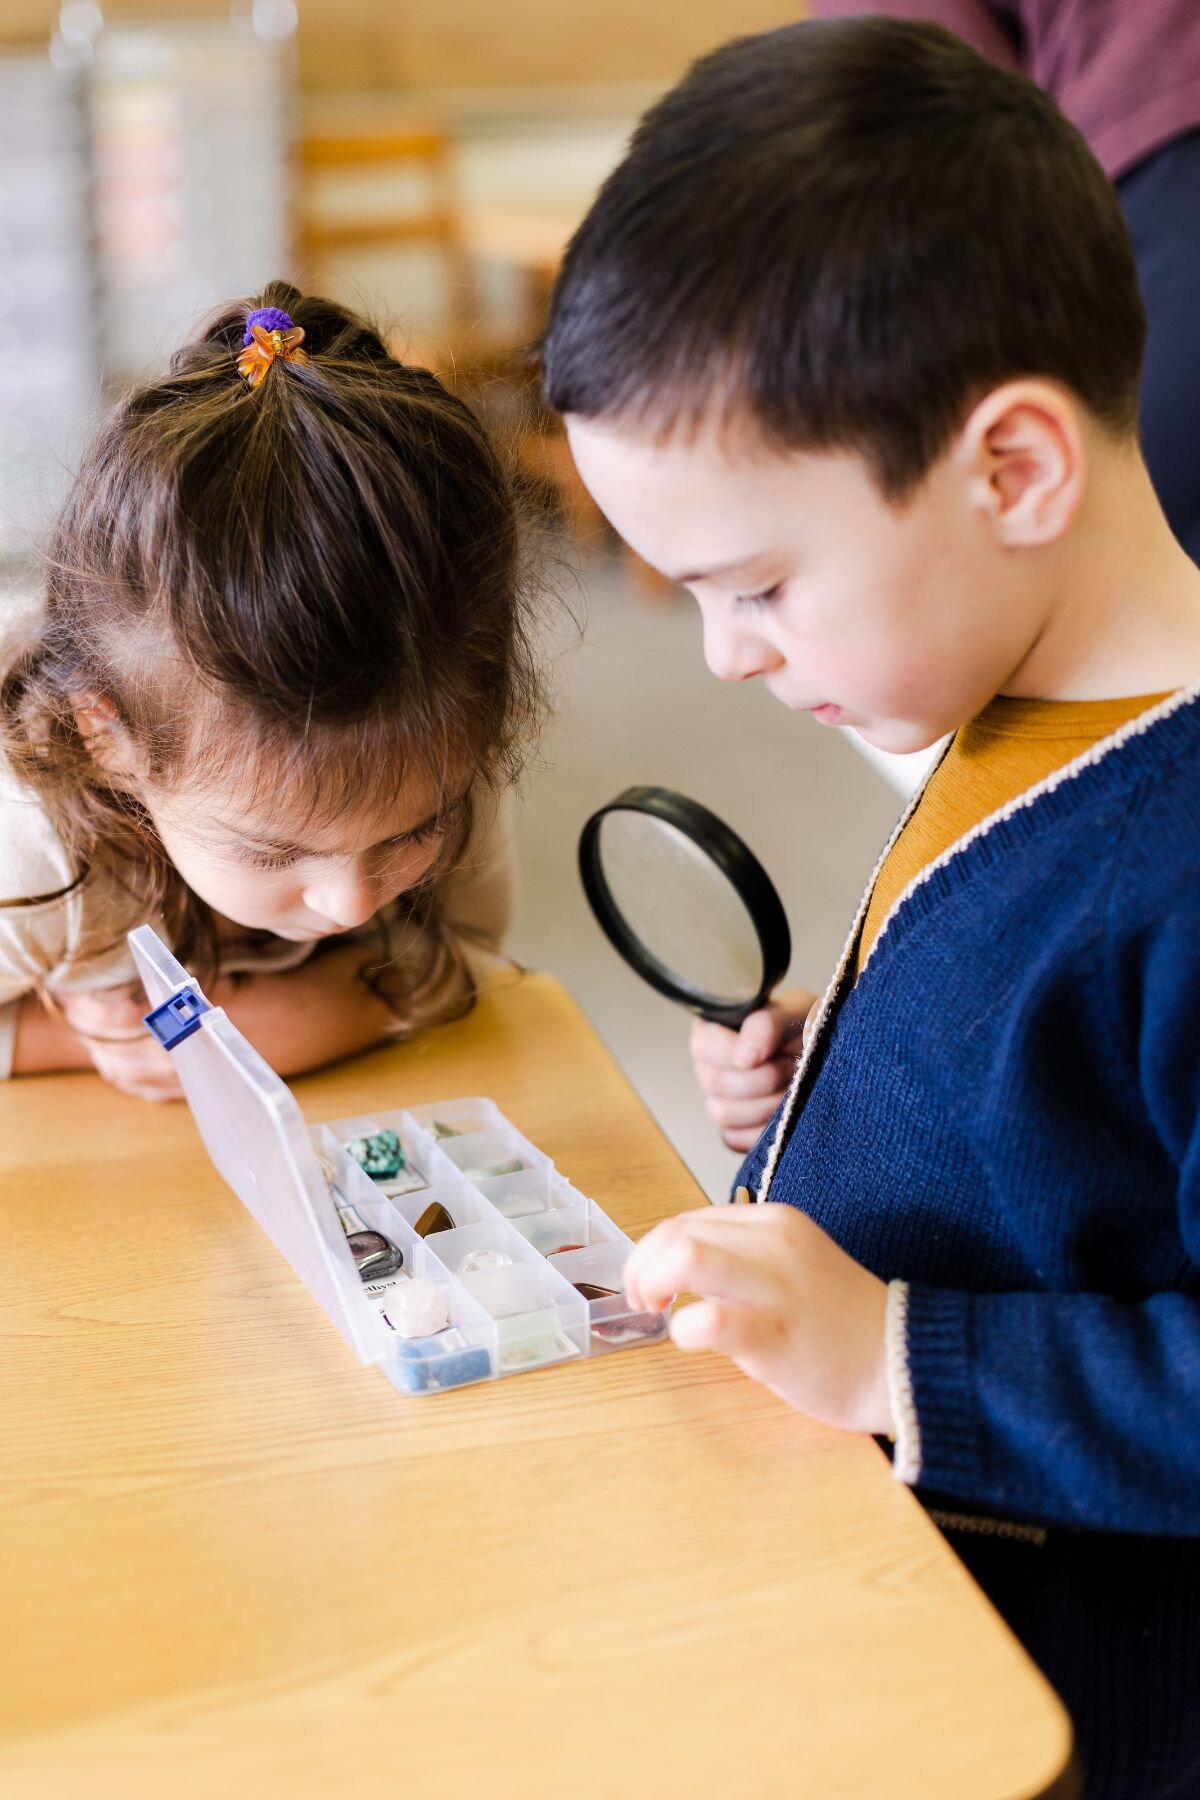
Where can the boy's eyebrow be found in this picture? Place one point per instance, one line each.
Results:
(286, 847)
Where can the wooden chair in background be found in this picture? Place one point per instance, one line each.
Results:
(488, 364)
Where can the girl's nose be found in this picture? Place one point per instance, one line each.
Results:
(346, 897)
(734, 653)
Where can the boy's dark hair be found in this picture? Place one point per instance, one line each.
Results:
(315, 585)
(848, 230)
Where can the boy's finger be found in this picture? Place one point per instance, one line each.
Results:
(715, 1044)
(743, 1115)
(716, 1222)
(704, 1219)
(759, 1037)
(745, 1084)
(718, 1258)
(737, 1331)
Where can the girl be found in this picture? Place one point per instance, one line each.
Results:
(282, 673)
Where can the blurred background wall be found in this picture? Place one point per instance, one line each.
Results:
(393, 45)
(428, 164)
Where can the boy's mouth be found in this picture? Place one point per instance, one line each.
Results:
(827, 714)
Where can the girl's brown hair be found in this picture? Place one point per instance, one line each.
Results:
(315, 585)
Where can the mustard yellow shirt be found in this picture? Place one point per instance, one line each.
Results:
(1011, 746)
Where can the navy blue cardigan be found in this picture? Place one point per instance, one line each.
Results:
(1004, 1113)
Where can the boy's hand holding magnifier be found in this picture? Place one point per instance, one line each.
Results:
(745, 1073)
(693, 911)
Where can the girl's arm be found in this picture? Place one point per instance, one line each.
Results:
(301, 1018)
(43, 1041)
(297, 1019)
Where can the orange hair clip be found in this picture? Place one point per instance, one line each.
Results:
(269, 333)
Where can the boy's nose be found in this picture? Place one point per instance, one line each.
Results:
(738, 655)
(346, 898)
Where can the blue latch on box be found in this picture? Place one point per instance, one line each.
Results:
(177, 1017)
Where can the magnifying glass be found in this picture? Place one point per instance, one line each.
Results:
(685, 902)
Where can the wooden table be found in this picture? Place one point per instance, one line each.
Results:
(237, 1563)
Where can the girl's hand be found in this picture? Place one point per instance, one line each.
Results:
(780, 1298)
(746, 1073)
(108, 1024)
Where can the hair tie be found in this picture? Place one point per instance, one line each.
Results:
(269, 333)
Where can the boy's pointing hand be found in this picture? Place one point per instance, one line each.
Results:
(780, 1298)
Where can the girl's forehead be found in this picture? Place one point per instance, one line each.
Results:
(291, 821)
(331, 788)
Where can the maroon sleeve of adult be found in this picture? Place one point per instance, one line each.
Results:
(978, 24)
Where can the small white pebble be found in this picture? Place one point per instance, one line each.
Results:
(417, 1308)
(476, 1261)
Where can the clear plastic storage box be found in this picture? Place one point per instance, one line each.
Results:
(465, 1256)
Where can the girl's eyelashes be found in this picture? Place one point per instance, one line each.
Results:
(763, 599)
(287, 859)
(438, 827)
(265, 859)
(435, 828)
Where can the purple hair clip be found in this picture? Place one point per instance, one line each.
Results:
(270, 318)
(269, 333)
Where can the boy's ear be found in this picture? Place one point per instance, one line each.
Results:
(1023, 452)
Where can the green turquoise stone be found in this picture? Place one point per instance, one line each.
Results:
(380, 1155)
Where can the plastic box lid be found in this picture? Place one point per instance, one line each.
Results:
(257, 1138)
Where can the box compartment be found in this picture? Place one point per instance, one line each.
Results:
(305, 1191)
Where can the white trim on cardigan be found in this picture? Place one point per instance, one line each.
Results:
(1093, 754)
(812, 1037)
(906, 1464)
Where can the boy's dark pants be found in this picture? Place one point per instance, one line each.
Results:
(1160, 198)
(1114, 1625)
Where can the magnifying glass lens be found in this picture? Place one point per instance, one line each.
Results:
(686, 914)
(685, 902)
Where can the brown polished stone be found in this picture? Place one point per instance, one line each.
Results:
(434, 1218)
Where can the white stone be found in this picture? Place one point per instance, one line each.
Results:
(476, 1261)
(417, 1308)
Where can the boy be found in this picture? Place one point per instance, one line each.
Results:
(849, 345)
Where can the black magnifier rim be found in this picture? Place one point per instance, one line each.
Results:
(740, 867)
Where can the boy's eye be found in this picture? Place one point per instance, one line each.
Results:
(763, 599)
